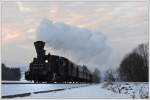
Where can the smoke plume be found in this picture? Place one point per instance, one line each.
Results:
(82, 46)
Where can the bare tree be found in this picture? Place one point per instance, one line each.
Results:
(134, 67)
(142, 50)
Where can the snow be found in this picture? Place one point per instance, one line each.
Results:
(128, 90)
(134, 89)
(23, 81)
(11, 89)
(91, 92)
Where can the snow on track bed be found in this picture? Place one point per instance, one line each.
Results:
(13, 89)
(115, 90)
(98, 91)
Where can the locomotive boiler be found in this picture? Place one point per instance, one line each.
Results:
(52, 68)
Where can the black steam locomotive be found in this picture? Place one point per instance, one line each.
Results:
(52, 68)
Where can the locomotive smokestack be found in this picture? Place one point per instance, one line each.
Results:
(39, 46)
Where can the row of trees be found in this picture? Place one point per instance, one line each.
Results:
(10, 73)
(133, 67)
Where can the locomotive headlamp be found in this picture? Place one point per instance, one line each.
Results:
(46, 61)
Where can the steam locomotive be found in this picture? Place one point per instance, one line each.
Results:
(52, 68)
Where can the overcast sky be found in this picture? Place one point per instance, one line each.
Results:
(123, 25)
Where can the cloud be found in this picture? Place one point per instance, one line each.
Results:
(22, 8)
(122, 23)
(80, 45)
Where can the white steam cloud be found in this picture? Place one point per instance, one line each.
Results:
(82, 46)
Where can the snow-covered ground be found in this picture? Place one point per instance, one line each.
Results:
(115, 90)
(12, 89)
(133, 89)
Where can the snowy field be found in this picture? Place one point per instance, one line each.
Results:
(103, 91)
(117, 90)
(12, 89)
(131, 89)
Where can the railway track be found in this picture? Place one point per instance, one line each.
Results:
(33, 88)
(38, 83)
(28, 94)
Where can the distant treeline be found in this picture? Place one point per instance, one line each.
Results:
(134, 66)
(11, 74)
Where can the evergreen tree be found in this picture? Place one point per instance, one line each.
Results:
(96, 76)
